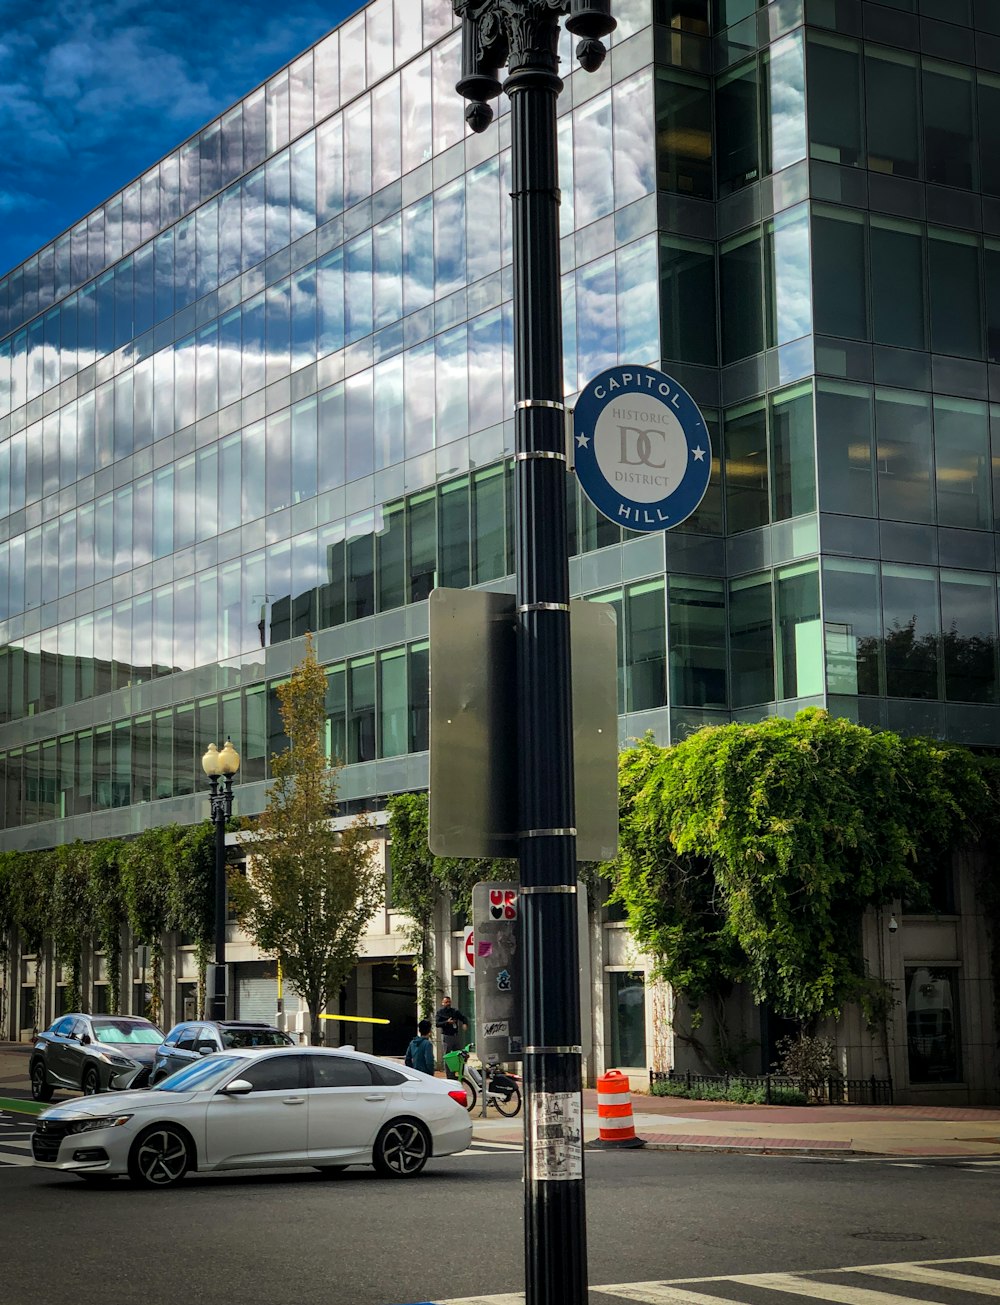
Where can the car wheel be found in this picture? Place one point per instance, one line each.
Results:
(91, 1084)
(160, 1157)
(401, 1149)
(329, 1170)
(40, 1089)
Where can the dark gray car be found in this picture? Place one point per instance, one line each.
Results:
(196, 1038)
(93, 1053)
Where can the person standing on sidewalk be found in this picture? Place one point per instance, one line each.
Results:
(420, 1052)
(448, 1019)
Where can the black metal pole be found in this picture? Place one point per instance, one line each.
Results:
(555, 1234)
(220, 796)
(524, 35)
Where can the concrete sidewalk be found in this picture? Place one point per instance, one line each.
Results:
(673, 1123)
(670, 1122)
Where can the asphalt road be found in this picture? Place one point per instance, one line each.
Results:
(268, 1239)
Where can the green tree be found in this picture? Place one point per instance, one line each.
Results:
(420, 880)
(146, 866)
(310, 890)
(106, 909)
(71, 919)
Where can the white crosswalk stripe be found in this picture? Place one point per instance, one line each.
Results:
(940, 1278)
(943, 1274)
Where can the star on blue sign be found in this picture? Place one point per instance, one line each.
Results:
(643, 453)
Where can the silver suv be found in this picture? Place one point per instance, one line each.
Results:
(93, 1053)
(193, 1039)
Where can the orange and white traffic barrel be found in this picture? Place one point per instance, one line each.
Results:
(614, 1112)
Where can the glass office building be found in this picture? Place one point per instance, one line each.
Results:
(267, 389)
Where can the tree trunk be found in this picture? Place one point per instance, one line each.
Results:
(315, 1023)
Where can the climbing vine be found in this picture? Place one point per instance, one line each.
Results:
(751, 852)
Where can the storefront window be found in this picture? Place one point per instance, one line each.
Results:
(932, 1026)
(628, 1018)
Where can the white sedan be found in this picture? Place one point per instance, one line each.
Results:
(288, 1107)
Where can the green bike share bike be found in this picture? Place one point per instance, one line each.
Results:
(502, 1090)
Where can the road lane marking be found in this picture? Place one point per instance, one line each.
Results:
(661, 1293)
(938, 1278)
(832, 1291)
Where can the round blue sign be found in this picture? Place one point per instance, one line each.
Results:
(641, 447)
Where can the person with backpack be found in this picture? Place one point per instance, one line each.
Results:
(420, 1052)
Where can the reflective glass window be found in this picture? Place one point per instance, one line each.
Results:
(912, 630)
(745, 444)
(645, 641)
(741, 298)
(949, 125)
(593, 195)
(789, 291)
(361, 710)
(844, 439)
(390, 555)
(697, 619)
(784, 110)
(360, 570)
(454, 535)
(393, 703)
(336, 712)
(892, 111)
(835, 126)
(416, 118)
(839, 281)
(897, 283)
(638, 323)
(751, 640)
(683, 133)
(852, 625)
(634, 149)
(969, 636)
(962, 463)
(418, 667)
(800, 632)
(793, 461)
(422, 544)
(737, 128)
(904, 455)
(955, 298)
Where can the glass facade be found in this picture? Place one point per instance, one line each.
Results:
(267, 389)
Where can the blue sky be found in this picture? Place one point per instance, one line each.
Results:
(91, 93)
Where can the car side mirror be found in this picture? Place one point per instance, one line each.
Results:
(84, 1039)
(239, 1087)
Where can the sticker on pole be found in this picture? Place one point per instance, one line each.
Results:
(641, 446)
(555, 1136)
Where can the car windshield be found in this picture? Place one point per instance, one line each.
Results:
(202, 1074)
(232, 1038)
(125, 1031)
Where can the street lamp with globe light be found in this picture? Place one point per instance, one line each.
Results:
(220, 767)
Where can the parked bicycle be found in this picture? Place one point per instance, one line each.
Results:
(502, 1090)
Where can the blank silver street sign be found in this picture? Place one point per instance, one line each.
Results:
(473, 725)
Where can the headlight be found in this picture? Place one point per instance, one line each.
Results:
(94, 1125)
(110, 1058)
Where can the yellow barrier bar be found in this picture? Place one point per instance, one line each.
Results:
(355, 1019)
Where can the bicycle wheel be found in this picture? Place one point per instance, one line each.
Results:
(508, 1102)
(471, 1095)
